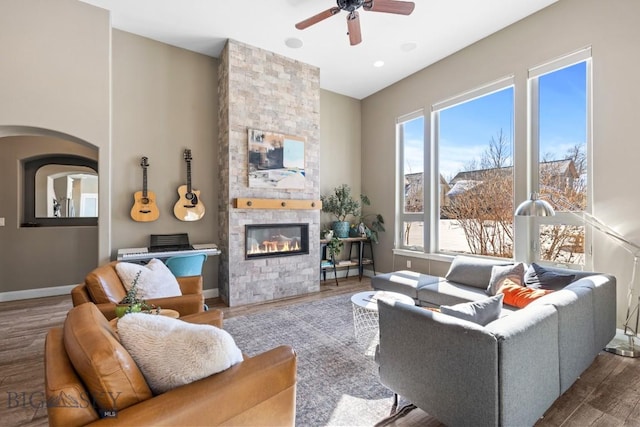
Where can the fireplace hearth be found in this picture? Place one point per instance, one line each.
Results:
(275, 240)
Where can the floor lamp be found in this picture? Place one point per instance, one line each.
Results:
(538, 207)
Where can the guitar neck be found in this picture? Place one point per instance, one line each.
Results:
(188, 176)
(144, 182)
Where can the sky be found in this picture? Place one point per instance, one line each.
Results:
(466, 129)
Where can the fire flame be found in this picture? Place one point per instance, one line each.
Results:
(273, 246)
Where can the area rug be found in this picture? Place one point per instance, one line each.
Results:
(337, 384)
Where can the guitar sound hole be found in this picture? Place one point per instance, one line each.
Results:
(144, 201)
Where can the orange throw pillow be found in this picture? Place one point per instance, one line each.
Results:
(520, 296)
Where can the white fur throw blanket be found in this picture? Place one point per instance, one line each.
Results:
(171, 352)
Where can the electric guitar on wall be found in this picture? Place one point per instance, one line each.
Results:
(144, 202)
(189, 207)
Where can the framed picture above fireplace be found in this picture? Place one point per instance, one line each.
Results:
(276, 160)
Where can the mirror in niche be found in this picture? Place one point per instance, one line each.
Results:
(60, 190)
(65, 191)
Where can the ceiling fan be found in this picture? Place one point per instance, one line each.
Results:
(353, 19)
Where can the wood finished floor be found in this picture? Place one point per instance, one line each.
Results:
(607, 394)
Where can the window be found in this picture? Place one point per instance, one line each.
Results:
(458, 174)
(559, 99)
(411, 133)
(474, 141)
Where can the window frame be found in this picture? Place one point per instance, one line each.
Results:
(525, 167)
(401, 215)
(434, 146)
(572, 218)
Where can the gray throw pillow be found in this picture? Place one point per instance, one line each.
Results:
(481, 312)
(501, 272)
(472, 271)
(541, 278)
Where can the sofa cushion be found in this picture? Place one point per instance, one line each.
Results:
(481, 312)
(404, 282)
(449, 293)
(171, 352)
(519, 296)
(472, 271)
(155, 281)
(106, 368)
(500, 273)
(540, 277)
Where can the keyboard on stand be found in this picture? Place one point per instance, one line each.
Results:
(144, 254)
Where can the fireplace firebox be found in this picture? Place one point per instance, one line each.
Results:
(273, 240)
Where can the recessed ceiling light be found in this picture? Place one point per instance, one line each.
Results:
(378, 64)
(293, 42)
(408, 47)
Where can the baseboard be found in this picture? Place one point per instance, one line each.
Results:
(342, 273)
(64, 290)
(36, 293)
(210, 293)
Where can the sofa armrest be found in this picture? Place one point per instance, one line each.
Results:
(428, 357)
(211, 317)
(259, 391)
(80, 295)
(184, 304)
(190, 284)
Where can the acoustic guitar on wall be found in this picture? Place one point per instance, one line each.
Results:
(144, 202)
(189, 207)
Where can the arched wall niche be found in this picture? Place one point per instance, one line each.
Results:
(76, 162)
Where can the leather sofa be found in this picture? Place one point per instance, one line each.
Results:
(103, 287)
(506, 373)
(87, 368)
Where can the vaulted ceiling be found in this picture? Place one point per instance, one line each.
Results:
(404, 44)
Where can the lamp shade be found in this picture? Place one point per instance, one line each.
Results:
(535, 207)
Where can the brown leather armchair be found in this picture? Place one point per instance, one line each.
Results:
(88, 373)
(103, 287)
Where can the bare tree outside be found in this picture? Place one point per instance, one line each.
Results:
(413, 199)
(481, 201)
(563, 184)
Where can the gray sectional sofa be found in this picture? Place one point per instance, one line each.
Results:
(505, 373)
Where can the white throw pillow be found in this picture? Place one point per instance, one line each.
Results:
(499, 273)
(171, 352)
(155, 281)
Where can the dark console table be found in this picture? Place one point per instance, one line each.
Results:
(359, 261)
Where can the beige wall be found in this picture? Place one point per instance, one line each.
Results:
(55, 81)
(340, 149)
(59, 82)
(164, 100)
(610, 28)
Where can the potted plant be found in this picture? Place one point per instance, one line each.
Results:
(340, 204)
(370, 224)
(334, 246)
(131, 303)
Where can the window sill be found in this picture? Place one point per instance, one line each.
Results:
(423, 255)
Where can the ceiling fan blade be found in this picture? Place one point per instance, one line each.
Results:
(317, 18)
(390, 6)
(353, 25)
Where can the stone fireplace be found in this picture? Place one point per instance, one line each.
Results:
(262, 90)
